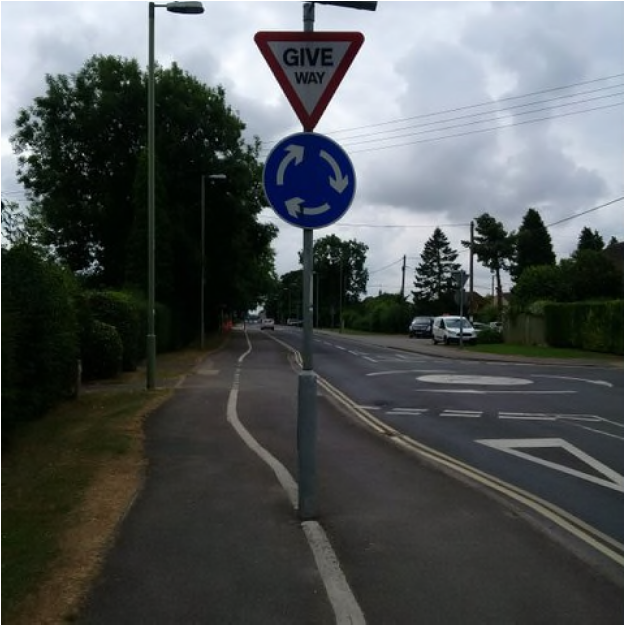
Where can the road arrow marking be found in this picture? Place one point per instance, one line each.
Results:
(295, 153)
(614, 480)
(339, 182)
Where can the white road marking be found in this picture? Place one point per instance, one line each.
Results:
(471, 379)
(460, 413)
(594, 381)
(346, 608)
(368, 407)
(456, 391)
(386, 372)
(511, 415)
(611, 435)
(615, 480)
(405, 411)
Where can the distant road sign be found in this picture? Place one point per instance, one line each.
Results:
(309, 66)
(309, 180)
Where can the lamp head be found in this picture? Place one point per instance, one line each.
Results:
(191, 8)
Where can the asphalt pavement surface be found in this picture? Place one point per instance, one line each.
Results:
(213, 537)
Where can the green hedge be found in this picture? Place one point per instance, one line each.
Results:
(122, 311)
(590, 326)
(40, 334)
(102, 352)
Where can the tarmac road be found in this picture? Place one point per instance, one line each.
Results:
(212, 538)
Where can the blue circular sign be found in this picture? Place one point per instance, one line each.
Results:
(309, 180)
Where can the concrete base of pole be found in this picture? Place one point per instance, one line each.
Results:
(151, 362)
(306, 444)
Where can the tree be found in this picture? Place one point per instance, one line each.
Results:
(494, 248)
(340, 277)
(80, 151)
(533, 245)
(589, 240)
(433, 278)
(591, 275)
(547, 282)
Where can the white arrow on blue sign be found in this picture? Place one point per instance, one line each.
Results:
(309, 180)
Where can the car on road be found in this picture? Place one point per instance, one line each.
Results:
(449, 329)
(420, 326)
(294, 322)
(267, 323)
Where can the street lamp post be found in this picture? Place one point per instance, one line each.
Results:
(173, 7)
(212, 177)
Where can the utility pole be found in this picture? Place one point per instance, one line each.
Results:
(470, 297)
(403, 277)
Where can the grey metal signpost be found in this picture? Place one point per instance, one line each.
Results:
(345, 46)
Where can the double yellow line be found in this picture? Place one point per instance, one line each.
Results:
(594, 538)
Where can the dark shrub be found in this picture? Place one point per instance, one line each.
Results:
(122, 311)
(39, 334)
(101, 352)
(489, 336)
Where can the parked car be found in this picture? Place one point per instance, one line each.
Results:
(480, 326)
(447, 329)
(420, 326)
(267, 323)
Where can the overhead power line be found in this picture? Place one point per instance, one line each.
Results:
(490, 103)
(394, 263)
(474, 122)
(482, 104)
(487, 130)
(582, 213)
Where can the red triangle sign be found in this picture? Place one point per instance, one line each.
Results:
(309, 66)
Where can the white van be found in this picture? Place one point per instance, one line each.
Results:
(446, 329)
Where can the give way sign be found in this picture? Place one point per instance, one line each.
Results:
(309, 66)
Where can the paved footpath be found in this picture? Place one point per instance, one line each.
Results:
(213, 538)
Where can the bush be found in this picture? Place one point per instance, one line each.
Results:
(122, 311)
(590, 326)
(489, 336)
(102, 352)
(40, 336)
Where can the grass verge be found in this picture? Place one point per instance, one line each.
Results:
(66, 482)
(539, 351)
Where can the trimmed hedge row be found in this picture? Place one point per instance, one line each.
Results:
(49, 324)
(590, 326)
(40, 335)
(123, 312)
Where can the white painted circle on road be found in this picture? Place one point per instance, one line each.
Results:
(472, 379)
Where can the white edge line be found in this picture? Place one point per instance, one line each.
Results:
(346, 608)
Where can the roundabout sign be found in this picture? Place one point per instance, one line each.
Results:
(309, 180)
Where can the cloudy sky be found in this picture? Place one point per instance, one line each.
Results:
(450, 109)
